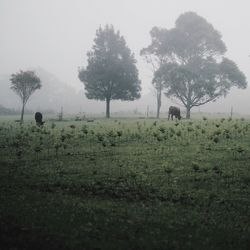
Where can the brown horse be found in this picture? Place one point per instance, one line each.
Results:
(174, 111)
(39, 119)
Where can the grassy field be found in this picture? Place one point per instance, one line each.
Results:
(125, 184)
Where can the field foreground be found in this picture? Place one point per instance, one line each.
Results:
(125, 184)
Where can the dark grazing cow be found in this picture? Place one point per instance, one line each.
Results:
(174, 111)
(39, 119)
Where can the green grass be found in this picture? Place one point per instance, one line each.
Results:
(125, 184)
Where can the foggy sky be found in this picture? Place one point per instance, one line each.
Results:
(56, 35)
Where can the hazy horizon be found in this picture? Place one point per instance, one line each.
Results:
(56, 35)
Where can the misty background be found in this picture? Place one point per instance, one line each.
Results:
(53, 37)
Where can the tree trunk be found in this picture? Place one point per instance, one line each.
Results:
(107, 108)
(188, 112)
(158, 103)
(22, 113)
(189, 102)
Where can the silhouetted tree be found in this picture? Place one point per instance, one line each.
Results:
(193, 69)
(155, 60)
(111, 73)
(25, 83)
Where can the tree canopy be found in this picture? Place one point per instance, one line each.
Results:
(111, 73)
(24, 84)
(193, 68)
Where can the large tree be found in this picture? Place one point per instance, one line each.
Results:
(194, 69)
(24, 84)
(111, 73)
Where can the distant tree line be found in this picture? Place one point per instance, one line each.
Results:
(7, 111)
(11, 111)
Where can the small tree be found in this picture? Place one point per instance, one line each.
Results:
(157, 83)
(111, 73)
(155, 60)
(25, 83)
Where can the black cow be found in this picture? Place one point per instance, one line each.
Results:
(39, 119)
(174, 111)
